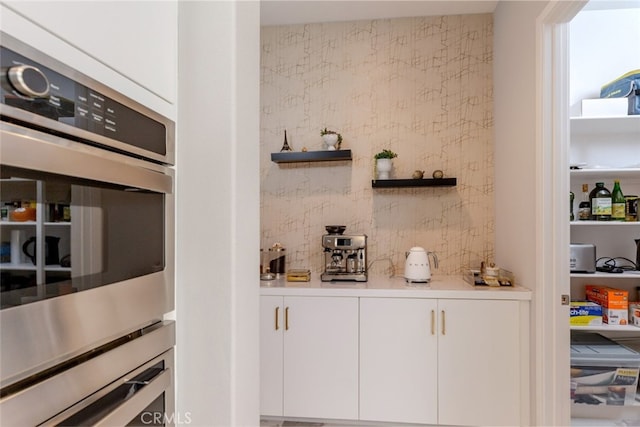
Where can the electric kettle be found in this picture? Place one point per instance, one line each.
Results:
(416, 266)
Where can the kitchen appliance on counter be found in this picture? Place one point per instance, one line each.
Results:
(416, 267)
(345, 256)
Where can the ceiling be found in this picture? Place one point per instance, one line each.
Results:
(286, 12)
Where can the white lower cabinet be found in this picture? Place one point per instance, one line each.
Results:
(309, 357)
(398, 360)
(415, 360)
(446, 361)
(271, 355)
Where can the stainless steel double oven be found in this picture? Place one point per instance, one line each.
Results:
(87, 250)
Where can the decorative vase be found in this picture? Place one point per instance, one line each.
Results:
(331, 139)
(383, 167)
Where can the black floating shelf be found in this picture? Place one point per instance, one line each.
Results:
(394, 183)
(310, 156)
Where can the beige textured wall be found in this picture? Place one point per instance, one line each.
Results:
(421, 87)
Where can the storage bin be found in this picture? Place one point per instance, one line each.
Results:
(603, 372)
(625, 86)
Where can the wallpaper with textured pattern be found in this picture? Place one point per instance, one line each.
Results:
(421, 87)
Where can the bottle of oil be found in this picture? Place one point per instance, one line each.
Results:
(584, 208)
(600, 198)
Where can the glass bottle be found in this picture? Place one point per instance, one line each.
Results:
(617, 202)
(584, 208)
(600, 198)
(571, 198)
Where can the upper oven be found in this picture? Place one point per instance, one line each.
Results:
(86, 214)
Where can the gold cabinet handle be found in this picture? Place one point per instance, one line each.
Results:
(286, 319)
(443, 326)
(433, 322)
(277, 318)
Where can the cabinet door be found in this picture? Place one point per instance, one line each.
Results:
(271, 369)
(321, 357)
(146, 54)
(398, 360)
(479, 362)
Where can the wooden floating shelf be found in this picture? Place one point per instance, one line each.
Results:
(394, 183)
(310, 156)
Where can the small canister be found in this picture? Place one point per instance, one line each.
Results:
(277, 256)
(631, 208)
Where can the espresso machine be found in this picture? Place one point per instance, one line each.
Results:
(345, 256)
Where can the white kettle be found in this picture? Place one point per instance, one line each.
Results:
(416, 266)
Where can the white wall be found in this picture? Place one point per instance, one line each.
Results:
(516, 168)
(218, 213)
(607, 37)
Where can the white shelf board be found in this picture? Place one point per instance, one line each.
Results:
(606, 223)
(626, 275)
(22, 266)
(607, 328)
(605, 125)
(606, 173)
(17, 223)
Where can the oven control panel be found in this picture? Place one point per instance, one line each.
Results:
(29, 86)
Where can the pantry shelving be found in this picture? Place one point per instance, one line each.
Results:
(602, 150)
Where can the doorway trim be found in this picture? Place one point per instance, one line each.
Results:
(552, 333)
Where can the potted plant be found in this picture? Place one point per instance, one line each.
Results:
(384, 163)
(331, 138)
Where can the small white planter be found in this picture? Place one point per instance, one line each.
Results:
(383, 167)
(331, 139)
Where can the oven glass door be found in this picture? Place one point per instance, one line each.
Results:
(61, 235)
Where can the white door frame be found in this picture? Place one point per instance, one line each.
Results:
(552, 334)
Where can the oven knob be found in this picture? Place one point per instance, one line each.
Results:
(28, 81)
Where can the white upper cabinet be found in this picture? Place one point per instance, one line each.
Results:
(130, 46)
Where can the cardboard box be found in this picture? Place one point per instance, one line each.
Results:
(585, 313)
(614, 302)
(634, 313)
(608, 107)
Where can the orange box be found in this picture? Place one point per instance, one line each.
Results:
(614, 302)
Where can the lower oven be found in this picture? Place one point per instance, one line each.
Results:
(87, 247)
(100, 388)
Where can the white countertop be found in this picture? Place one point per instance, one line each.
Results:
(394, 287)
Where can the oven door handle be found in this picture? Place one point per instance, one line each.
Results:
(127, 411)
